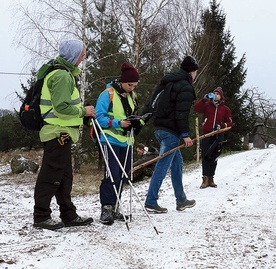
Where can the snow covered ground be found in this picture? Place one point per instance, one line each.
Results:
(232, 226)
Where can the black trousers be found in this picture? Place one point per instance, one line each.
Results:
(107, 193)
(55, 178)
(209, 159)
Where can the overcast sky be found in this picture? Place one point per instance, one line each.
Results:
(251, 22)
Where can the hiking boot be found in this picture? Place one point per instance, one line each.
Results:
(79, 221)
(117, 215)
(186, 204)
(205, 182)
(49, 224)
(107, 217)
(211, 182)
(156, 209)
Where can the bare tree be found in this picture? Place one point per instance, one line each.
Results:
(43, 24)
(147, 26)
(135, 17)
(183, 17)
(265, 111)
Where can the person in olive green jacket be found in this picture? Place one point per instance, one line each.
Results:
(63, 113)
(147, 154)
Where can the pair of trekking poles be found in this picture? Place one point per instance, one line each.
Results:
(130, 146)
(97, 129)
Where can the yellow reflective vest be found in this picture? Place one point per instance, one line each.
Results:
(118, 112)
(46, 106)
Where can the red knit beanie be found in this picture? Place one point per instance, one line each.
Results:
(128, 73)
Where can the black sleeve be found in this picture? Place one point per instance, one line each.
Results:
(183, 104)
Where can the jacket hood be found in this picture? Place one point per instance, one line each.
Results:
(43, 71)
(220, 92)
(176, 76)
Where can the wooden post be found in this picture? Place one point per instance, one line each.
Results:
(197, 139)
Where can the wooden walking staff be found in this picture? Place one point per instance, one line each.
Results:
(177, 148)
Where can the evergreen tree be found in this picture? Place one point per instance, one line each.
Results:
(105, 56)
(104, 52)
(218, 68)
(28, 139)
(12, 135)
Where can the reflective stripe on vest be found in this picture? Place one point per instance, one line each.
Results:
(118, 113)
(46, 106)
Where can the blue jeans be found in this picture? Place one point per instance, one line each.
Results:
(174, 161)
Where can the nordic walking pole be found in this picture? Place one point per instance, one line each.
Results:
(130, 183)
(131, 179)
(111, 149)
(147, 214)
(177, 148)
(125, 163)
(109, 172)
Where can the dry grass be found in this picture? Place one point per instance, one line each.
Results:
(86, 182)
(36, 155)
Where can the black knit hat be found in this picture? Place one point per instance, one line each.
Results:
(189, 64)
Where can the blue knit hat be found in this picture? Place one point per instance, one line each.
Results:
(71, 50)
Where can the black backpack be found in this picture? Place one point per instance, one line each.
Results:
(29, 112)
(160, 104)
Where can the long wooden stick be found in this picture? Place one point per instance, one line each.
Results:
(177, 148)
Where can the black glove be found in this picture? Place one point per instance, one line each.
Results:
(86, 121)
(135, 124)
(138, 129)
(135, 121)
